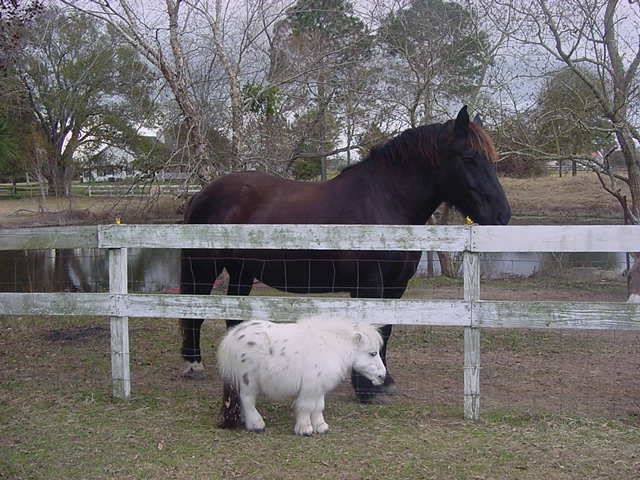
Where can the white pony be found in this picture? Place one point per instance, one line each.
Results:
(305, 360)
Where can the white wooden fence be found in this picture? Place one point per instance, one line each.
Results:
(471, 313)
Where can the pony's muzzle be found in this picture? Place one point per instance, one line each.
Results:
(379, 379)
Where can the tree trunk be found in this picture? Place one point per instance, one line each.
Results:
(633, 168)
(59, 179)
(633, 280)
(322, 131)
(449, 264)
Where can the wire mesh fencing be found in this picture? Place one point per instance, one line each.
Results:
(533, 371)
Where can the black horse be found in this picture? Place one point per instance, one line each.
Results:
(401, 182)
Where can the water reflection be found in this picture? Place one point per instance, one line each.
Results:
(86, 270)
(158, 270)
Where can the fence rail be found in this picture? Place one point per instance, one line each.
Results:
(470, 313)
(453, 238)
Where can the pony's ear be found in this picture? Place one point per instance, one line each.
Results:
(357, 338)
(461, 126)
(478, 120)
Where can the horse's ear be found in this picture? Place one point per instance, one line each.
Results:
(357, 338)
(478, 120)
(461, 126)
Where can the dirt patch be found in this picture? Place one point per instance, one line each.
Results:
(566, 200)
(76, 334)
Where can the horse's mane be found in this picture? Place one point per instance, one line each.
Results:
(415, 142)
(480, 140)
(425, 142)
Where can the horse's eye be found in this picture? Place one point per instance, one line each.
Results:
(373, 354)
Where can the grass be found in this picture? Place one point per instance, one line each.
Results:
(86, 435)
(58, 420)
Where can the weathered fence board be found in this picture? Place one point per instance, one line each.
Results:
(453, 238)
(471, 264)
(470, 313)
(119, 326)
(574, 315)
(309, 237)
(277, 309)
(48, 237)
(484, 313)
(555, 238)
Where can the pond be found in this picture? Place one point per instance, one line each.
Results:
(158, 270)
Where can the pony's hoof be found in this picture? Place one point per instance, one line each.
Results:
(256, 430)
(321, 429)
(304, 431)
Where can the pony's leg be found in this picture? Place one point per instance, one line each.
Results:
(317, 418)
(240, 283)
(304, 407)
(197, 274)
(253, 421)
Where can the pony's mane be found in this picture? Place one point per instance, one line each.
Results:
(342, 327)
(424, 142)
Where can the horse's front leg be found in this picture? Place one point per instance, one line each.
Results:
(197, 273)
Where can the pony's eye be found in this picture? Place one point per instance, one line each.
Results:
(373, 354)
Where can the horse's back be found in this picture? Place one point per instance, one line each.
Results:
(255, 197)
(258, 198)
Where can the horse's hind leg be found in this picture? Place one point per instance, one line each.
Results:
(199, 269)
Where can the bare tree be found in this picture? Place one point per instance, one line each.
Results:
(597, 41)
(164, 39)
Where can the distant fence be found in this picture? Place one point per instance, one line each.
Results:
(471, 313)
(106, 189)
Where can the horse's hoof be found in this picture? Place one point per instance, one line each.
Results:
(374, 399)
(389, 386)
(256, 430)
(193, 371)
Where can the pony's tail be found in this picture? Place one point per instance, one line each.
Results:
(230, 416)
(230, 412)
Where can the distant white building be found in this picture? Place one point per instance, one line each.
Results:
(112, 163)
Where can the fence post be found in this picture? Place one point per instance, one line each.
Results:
(120, 373)
(471, 340)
